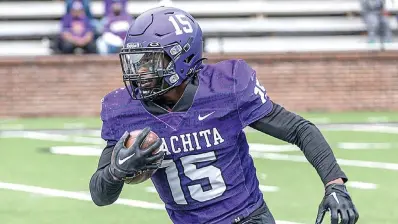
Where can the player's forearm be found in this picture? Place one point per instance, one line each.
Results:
(104, 189)
(294, 129)
(317, 151)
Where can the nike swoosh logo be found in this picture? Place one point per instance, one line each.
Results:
(121, 161)
(204, 117)
(335, 197)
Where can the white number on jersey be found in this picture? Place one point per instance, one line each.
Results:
(192, 172)
(183, 21)
(260, 90)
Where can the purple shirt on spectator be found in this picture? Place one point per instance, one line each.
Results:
(118, 25)
(77, 26)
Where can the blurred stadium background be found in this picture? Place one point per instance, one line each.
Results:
(313, 57)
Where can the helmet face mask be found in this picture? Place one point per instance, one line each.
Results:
(147, 72)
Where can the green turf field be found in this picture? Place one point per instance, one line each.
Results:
(37, 186)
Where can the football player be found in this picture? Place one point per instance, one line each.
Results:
(204, 171)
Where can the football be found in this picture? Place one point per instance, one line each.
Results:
(149, 140)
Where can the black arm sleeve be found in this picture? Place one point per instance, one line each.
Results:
(292, 128)
(104, 189)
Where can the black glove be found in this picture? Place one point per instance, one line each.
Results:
(338, 201)
(129, 162)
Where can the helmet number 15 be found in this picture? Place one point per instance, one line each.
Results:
(179, 21)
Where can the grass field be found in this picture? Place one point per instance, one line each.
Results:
(37, 186)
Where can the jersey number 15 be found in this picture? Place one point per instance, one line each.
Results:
(194, 173)
(260, 90)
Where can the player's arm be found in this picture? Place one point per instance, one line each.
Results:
(105, 189)
(256, 109)
(290, 127)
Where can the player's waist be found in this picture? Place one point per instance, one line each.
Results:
(219, 213)
(260, 210)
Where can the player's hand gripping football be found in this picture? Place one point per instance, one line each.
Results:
(132, 161)
(338, 201)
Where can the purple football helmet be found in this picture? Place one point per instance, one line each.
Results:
(162, 48)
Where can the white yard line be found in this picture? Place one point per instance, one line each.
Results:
(363, 128)
(365, 146)
(50, 137)
(343, 162)
(265, 188)
(75, 195)
(86, 197)
(361, 185)
(258, 147)
(94, 133)
(76, 150)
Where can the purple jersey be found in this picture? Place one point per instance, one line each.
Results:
(207, 175)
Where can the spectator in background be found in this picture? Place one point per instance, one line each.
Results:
(109, 5)
(86, 5)
(108, 9)
(375, 17)
(76, 31)
(116, 26)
